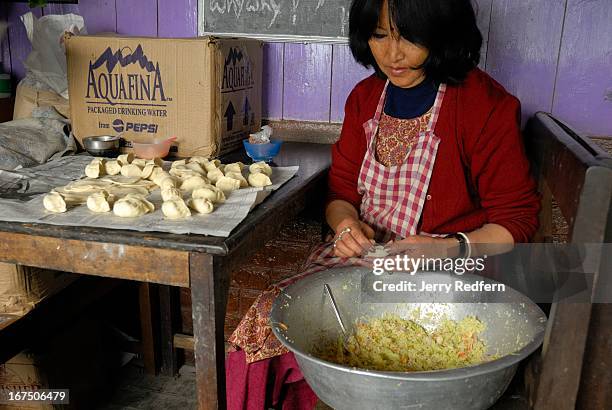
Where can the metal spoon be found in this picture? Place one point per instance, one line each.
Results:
(329, 293)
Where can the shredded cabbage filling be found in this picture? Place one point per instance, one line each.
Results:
(391, 343)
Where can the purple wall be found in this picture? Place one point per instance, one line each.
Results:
(563, 66)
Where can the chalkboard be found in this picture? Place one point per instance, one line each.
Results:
(276, 19)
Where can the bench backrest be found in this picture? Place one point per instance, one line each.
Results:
(578, 175)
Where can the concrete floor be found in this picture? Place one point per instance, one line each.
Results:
(136, 390)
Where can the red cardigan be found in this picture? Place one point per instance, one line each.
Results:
(481, 174)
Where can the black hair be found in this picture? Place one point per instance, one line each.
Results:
(447, 28)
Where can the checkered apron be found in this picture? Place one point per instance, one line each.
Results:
(393, 197)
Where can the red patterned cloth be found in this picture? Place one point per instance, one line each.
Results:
(396, 137)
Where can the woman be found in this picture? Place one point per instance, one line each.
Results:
(430, 154)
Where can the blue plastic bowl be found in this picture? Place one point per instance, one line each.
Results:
(262, 152)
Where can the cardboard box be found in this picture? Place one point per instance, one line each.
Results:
(22, 374)
(22, 287)
(205, 91)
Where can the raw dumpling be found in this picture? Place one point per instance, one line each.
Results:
(139, 161)
(54, 202)
(156, 161)
(199, 160)
(234, 167)
(214, 175)
(112, 167)
(180, 162)
(167, 182)
(95, 168)
(211, 165)
(175, 209)
(183, 172)
(158, 175)
(147, 171)
(171, 193)
(194, 166)
(260, 167)
(132, 206)
(259, 179)
(125, 159)
(100, 202)
(201, 205)
(210, 192)
(239, 177)
(156, 171)
(192, 183)
(227, 184)
(131, 170)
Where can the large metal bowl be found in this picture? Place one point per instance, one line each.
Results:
(302, 316)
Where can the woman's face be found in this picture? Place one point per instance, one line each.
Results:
(396, 56)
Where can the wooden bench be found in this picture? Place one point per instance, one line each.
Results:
(571, 370)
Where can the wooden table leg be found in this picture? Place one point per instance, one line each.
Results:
(147, 304)
(168, 309)
(209, 290)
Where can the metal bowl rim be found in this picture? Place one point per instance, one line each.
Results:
(103, 138)
(439, 375)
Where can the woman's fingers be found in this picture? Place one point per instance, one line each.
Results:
(352, 243)
(367, 230)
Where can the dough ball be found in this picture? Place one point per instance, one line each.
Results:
(132, 206)
(234, 167)
(95, 168)
(260, 167)
(147, 171)
(210, 192)
(227, 184)
(100, 201)
(201, 205)
(239, 177)
(192, 183)
(214, 175)
(171, 193)
(167, 182)
(175, 209)
(259, 179)
(54, 202)
(131, 170)
(125, 159)
(112, 167)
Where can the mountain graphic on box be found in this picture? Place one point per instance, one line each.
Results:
(234, 56)
(111, 59)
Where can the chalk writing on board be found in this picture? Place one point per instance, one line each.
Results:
(318, 18)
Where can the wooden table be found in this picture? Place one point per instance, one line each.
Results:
(201, 263)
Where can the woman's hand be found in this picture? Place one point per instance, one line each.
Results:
(352, 238)
(428, 246)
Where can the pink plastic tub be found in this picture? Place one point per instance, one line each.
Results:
(152, 150)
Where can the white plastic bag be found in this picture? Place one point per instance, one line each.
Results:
(47, 61)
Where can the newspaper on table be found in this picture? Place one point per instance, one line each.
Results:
(22, 192)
